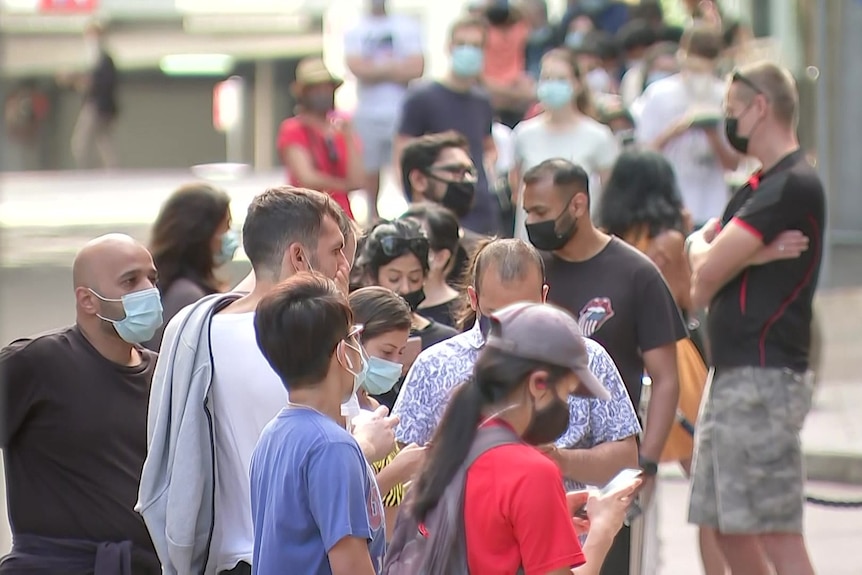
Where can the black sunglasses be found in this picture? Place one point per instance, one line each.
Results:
(738, 77)
(393, 246)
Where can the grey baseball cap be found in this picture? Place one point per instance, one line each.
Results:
(543, 332)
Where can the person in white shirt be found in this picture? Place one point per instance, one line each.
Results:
(563, 130)
(681, 117)
(384, 52)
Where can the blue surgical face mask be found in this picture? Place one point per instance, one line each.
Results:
(555, 94)
(229, 245)
(350, 406)
(143, 315)
(382, 375)
(467, 61)
(575, 39)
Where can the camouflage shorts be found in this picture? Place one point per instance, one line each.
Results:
(747, 474)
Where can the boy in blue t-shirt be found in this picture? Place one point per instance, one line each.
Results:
(315, 504)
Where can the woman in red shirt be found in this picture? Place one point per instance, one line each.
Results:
(318, 146)
(515, 511)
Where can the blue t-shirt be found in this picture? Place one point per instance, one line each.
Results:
(310, 488)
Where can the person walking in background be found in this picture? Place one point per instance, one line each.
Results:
(74, 422)
(680, 116)
(94, 130)
(190, 239)
(457, 103)
(385, 52)
(319, 147)
(565, 129)
(757, 270)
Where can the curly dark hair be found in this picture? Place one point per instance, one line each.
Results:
(641, 191)
(388, 241)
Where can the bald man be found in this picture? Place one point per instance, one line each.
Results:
(74, 423)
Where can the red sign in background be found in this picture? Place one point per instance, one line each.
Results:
(67, 6)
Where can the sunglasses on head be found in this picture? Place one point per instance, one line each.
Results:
(394, 246)
(739, 77)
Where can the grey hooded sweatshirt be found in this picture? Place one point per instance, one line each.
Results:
(177, 491)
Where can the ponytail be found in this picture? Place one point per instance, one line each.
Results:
(449, 447)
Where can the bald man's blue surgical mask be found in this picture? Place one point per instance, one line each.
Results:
(143, 315)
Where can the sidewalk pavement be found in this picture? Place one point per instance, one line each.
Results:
(833, 536)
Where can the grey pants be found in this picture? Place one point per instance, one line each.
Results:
(93, 135)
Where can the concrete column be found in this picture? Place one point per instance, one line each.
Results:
(264, 119)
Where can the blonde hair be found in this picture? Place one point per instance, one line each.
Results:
(778, 85)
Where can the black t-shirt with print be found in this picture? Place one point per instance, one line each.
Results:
(74, 438)
(621, 300)
(762, 317)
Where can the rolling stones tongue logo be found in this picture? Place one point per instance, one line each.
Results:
(594, 315)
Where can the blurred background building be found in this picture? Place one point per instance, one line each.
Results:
(172, 53)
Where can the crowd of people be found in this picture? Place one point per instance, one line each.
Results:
(427, 395)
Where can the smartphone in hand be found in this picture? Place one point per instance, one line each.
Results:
(622, 480)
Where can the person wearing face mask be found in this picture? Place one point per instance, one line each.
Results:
(94, 129)
(515, 514)
(757, 269)
(599, 440)
(566, 128)
(441, 227)
(437, 168)
(190, 239)
(386, 319)
(680, 116)
(457, 103)
(315, 504)
(619, 298)
(198, 460)
(395, 256)
(74, 420)
(318, 146)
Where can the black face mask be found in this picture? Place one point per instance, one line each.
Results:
(458, 196)
(414, 298)
(544, 235)
(731, 130)
(484, 326)
(548, 423)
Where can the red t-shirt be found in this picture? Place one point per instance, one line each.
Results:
(516, 515)
(328, 153)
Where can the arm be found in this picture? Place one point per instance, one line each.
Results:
(19, 390)
(299, 163)
(412, 126)
(598, 464)
(660, 363)
(339, 508)
(350, 557)
(489, 158)
(714, 264)
(398, 144)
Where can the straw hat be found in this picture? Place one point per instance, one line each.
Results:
(313, 72)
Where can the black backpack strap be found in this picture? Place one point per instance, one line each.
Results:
(487, 438)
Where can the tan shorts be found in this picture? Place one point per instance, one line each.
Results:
(747, 475)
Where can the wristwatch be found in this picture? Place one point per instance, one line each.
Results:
(648, 466)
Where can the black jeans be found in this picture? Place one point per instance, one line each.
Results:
(242, 568)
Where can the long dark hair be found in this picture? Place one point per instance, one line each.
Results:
(642, 191)
(182, 235)
(441, 226)
(495, 376)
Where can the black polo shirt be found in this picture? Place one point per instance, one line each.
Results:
(762, 317)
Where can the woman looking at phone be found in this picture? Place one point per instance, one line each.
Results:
(515, 511)
(394, 255)
(386, 321)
